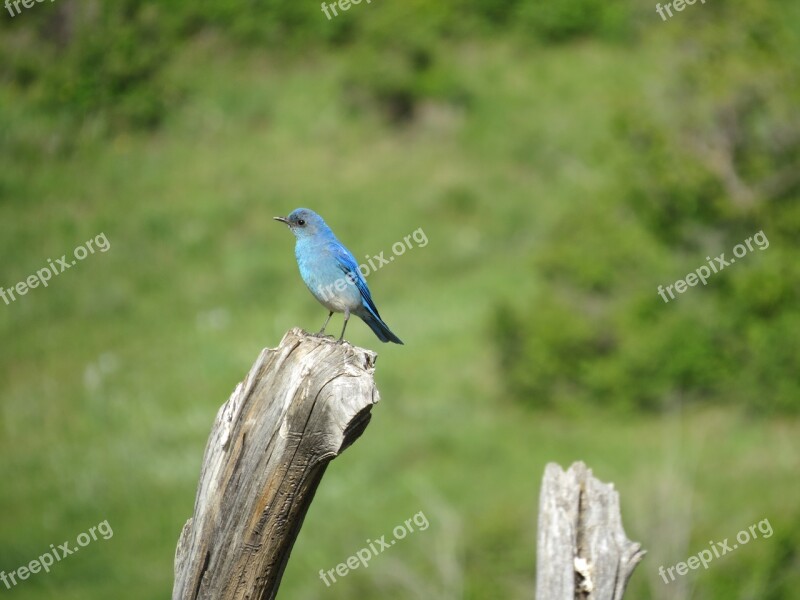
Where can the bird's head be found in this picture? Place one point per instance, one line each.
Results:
(304, 222)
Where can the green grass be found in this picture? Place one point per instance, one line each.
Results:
(111, 377)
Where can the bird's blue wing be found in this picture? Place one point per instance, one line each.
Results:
(349, 267)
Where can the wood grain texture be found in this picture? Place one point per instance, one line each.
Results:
(299, 407)
(582, 550)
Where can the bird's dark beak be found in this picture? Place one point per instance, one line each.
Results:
(282, 219)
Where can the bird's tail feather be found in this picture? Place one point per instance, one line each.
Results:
(379, 328)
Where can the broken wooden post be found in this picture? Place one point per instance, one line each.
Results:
(299, 407)
(582, 551)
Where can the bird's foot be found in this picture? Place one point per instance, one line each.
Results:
(322, 336)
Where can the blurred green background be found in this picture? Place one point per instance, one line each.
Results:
(564, 159)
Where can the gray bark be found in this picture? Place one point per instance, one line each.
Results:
(299, 407)
(582, 550)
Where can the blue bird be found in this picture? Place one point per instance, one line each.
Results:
(331, 273)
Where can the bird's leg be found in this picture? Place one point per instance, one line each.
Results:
(324, 325)
(346, 318)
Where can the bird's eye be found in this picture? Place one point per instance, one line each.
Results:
(301, 222)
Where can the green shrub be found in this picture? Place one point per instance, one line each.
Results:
(113, 68)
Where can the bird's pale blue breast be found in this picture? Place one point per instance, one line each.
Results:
(323, 275)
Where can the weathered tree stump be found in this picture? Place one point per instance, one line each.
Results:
(299, 407)
(582, 551)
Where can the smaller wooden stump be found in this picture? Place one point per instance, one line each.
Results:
(582, 551)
